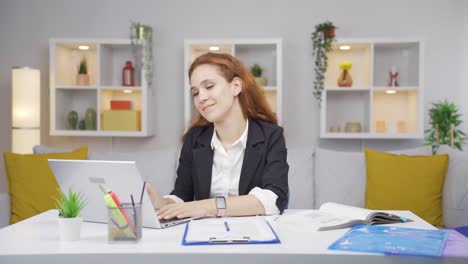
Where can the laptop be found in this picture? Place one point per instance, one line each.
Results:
(122, 177)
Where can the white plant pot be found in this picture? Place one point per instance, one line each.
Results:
(70, 228)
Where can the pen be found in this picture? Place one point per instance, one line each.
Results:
(142, 192)
(226, 225)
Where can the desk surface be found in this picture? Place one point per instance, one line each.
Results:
(36, 240)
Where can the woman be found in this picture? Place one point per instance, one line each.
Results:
(233, 158)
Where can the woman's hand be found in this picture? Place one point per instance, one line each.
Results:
(155, 199)
(189, 209)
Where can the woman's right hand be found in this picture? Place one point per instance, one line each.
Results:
(155, 199)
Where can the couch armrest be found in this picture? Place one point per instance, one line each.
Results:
(4, 209)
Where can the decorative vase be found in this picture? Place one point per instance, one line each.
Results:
(90, 119)
(261, 81)
(345, 80)
(81, 124)
(70, 228)
(72, 120)
(82, 79)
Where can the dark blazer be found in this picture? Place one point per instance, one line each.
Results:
(264, 164)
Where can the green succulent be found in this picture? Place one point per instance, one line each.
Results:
(83, 68)
(256, 70)
(70, 206)
(444, 120)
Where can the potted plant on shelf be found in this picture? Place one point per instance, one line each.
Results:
(257, 71)
(82, 78)
(69, 207)
(444, 120)
(322, 39)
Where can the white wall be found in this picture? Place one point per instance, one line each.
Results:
(26, 26)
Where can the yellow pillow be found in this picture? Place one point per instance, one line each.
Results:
(400, 182)
(31, 183)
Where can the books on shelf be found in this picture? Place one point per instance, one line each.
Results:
(121, 105)
(335, 216)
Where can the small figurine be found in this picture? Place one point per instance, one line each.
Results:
(392, 77)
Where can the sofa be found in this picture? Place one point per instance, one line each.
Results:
(316, 176)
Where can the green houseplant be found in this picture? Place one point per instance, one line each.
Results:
(444, 120)
(69, 207)
(257, 71)
(82, 78)
(322, 39)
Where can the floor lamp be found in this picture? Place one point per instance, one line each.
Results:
(26, 109)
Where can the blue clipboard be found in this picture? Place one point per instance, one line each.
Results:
(235, 241)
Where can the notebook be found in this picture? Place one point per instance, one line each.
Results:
(122, 177)
(335, 216)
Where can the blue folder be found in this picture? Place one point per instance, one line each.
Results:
(390, 240)
(229, 241)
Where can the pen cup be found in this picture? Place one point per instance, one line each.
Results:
(124, 223)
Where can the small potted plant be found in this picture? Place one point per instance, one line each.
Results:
(444, 120)
(82, 78)
(257, 71)
(69, 207)
(322, 39)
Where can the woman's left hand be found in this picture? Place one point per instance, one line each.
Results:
(189, 209)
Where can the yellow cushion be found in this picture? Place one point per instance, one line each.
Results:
(31, 183)
(400, 182)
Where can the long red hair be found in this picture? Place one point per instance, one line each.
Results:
(252, 100)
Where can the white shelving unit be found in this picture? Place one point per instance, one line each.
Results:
(105, 60)
(383, 112)
(265, 52)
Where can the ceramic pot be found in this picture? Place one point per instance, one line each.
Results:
(82, 79)
(345, 80)
(70, 228)
(81, 124)
(261, 81)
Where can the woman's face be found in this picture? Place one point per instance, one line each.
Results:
(213, 96)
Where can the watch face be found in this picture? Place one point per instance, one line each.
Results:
(220, 202)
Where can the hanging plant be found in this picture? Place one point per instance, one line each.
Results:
(444, 120)
(143, 35)
(322, 39)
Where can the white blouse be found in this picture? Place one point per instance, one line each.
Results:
(226, 171)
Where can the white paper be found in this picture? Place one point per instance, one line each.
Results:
(251, 228)
(346, 211)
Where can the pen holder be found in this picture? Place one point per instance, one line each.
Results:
(124, 223)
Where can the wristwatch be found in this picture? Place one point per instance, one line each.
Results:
(221, 206)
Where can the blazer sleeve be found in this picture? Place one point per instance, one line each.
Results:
(183, 187)
(275, 177)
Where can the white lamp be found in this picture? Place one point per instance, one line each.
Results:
(26, 109)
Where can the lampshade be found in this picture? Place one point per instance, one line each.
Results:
(26, 109)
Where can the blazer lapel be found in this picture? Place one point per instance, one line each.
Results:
(252, 156)
(203, 163)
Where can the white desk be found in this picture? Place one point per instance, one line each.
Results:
(36, 240)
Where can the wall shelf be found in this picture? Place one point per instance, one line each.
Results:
(382, 111)
(105, 59)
